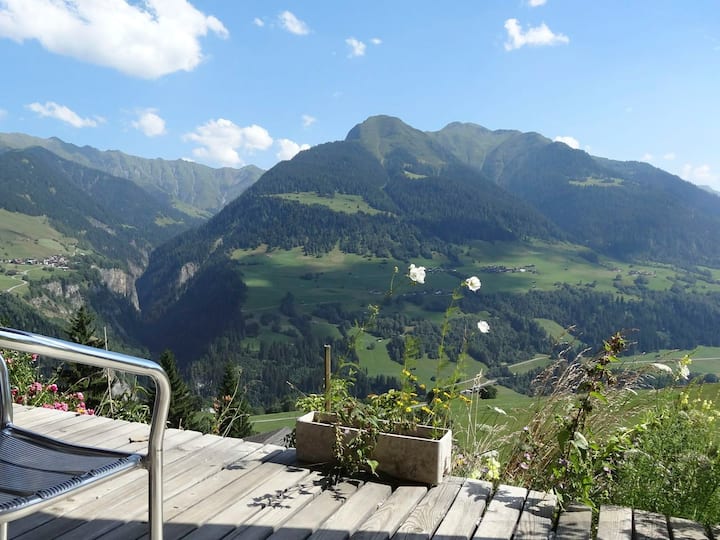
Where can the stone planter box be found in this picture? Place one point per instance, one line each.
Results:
(415, 456)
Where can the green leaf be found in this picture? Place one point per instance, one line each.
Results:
(599, 396)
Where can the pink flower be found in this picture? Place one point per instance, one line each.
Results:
(52, 388)
(35, 388)
(79, 395)
(34, 357)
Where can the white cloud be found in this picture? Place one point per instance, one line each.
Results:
(221, 141)
(146, 39)
(376, 41)
(257, 21)
(357, 47)
(292, 24)
(288, 149)
(150, 123)
(536, 3)
(537, 36)
(647, 157)
(63, 113)
(3, 113)
(572, 142)
(700, 174)
(308, 120)
(669, 156)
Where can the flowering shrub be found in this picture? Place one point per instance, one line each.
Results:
(600, 439)
(27, 386)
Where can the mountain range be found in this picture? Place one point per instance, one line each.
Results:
(278, 262)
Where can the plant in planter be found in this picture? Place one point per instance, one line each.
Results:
(393, 432)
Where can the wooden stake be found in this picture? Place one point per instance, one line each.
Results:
(328, 366)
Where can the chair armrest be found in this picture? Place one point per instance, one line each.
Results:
(73, 352)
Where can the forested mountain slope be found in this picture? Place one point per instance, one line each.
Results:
(192, 187)
(390, 193)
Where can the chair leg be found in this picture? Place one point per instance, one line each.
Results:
(4, 530)
(155, 496)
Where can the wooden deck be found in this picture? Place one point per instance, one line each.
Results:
(228, 488)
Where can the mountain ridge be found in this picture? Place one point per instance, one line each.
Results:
(192, 187)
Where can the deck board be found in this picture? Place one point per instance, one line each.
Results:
(386, 520)
(536, 519)
(463, 517)
(650, 525)
(502, 514)
(348, 518)
(686, 529)
(427, 515)
(228, 488)
(304, 523)
(615, 523)
(575, 523)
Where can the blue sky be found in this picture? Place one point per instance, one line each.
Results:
(234, 82)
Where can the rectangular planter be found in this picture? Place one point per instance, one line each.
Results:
(417, 456)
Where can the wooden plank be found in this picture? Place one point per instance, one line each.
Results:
(343, 523)
(197, 506)
(386, 520)
(198, 463)
(130, 505)
(502, 514)
(28, 416)
(303, 524)
(615, 523)
(575, 523)
(426, 517)
(687, 529)
(464, 515)
(70, 512)
(271, 491)
(279, 509)
(536, 520)
(34, 418)
(188, 504)
(649, 525)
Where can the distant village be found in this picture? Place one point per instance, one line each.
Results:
(54, 261)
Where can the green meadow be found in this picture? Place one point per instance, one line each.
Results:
(23, 236)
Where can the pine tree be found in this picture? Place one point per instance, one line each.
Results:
(182, 403)
(232, 411)
(91, 381)
(82, 329)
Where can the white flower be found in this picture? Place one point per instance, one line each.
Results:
(683, 372)
(499, 411)
(483, 326)
(417, 274)
(662, 367)
(473, 283)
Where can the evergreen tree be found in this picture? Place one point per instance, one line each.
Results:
(231, 407)
(183, 404)
(91, 381)
(82, 329)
